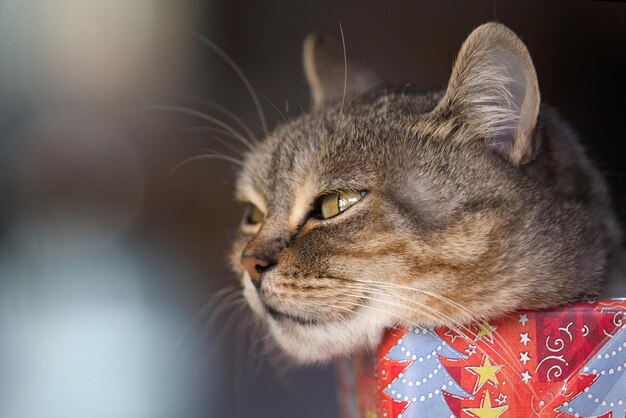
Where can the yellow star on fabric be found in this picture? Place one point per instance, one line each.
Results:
(486, 373)
(486, 410)
(485, 330)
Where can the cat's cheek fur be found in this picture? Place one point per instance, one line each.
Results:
(316, 344)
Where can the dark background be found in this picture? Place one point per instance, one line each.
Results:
(177, 229)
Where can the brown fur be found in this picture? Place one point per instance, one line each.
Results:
(479, 202)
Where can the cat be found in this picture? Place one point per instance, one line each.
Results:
(385, 207)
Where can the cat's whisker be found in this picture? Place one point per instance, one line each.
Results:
(414, 324)
(220, 293)
(242, 342)
(409, 288)
(264, 349)
(224, 305)
(253, 360)
(395, 315)
(503, 343)
(436, 316)
(277, 109)
(430, 331)
(205, 308)
(497, 338)
(182, 340)
(212, 151)
(462, 308)
(218, 152)
(219, 296)
(456, 305)
(261, 345)
(239, 74)
(233, 314)
(218, 131)
(198, 114)
(361, 92)
(345, 70)
(259, 348)
(227, 307)
(446, 300)
(270, 344)
(455, 325)
(200, 158)
(239, 121)
(449, 319)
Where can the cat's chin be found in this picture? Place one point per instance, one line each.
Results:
(314, 341)
(321, 342)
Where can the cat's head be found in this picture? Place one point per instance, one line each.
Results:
(384, 207)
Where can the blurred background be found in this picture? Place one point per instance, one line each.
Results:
(113, 255)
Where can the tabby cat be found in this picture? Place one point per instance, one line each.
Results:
(385, 207)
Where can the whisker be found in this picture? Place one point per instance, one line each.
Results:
(345, 70)
(234, 309)
(436, 318)
(277, 109)
(448, 321)
(253, 346)
(202, 311)
(463, 335)
(260, 344)
(199, 158)
(405, 320)
(410, 288)
(241, 340)
(360, 93)
(500, 341)
(225, 143)
(460, 307)
(382, 293)
(239, 121)
(225, 304)
(239, 73)
(198, 114)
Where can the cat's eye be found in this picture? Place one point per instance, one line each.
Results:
(333, 204)
(255, 216)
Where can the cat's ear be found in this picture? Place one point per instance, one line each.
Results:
(330, 77)
(493, 92)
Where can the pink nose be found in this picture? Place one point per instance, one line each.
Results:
(255, 267)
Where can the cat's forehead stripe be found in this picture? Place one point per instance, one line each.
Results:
(281, 162)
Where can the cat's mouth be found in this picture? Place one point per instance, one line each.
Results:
(283, 316)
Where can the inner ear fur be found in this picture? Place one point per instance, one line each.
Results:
(493, 94)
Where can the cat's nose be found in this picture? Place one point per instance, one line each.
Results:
(256, 267)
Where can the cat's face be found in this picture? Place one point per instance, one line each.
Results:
(332, 280)
(394, 208)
